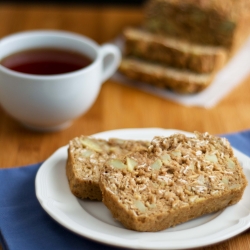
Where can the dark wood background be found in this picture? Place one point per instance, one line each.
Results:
(81, 2)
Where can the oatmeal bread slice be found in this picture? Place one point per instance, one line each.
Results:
(177, 80)
(86, 156)
(214, 22)
(179, 178)
(173, 52)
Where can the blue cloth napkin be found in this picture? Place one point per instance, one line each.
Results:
(24, 225)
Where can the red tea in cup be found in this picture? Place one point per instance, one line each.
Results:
(46, 61)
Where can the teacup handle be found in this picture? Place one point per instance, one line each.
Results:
(111, 58)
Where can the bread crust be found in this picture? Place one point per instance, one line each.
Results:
(167, 219)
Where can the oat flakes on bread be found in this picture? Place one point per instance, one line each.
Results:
(177, 80)
(179, 178)
(86, 156)
(173, 52)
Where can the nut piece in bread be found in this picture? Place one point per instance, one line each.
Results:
(86, 156)
(179, 178)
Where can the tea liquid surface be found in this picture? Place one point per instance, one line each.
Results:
(46, 61)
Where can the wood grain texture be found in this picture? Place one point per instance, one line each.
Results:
(117, 106)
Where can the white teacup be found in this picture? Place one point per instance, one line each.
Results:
(52, 102)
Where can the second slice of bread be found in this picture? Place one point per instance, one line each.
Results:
(173, 52)
(86, 157)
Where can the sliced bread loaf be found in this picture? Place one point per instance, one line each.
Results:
(180, 81)
(86, 156)
(173, 52)
(214, 22)
(179, 178)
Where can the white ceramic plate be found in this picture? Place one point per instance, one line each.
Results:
(93, 220)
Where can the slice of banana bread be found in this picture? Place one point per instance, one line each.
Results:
(173, 52)
(214, 22)
(180, 81)
(179, 178)
(86, 156)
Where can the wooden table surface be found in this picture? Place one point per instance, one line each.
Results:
(117, 106)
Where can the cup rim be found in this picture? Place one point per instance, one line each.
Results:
(70, 34)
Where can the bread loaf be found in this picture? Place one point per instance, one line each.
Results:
(182, 44)
(179, 178)
(213, 22)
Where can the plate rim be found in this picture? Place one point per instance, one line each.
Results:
(100, 237)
